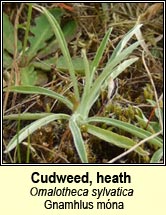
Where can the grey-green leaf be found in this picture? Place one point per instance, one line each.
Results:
(41, 91)
(113, 138)
(29, 129)
(132, 129)
(78, 141)
(157, 156)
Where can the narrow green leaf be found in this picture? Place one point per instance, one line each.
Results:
(138, 132)
(41, 91)
(157, 156)
(107, 72)
(120, 68)
(29, 129)
(95, 90)
(86, 90)
(87, 71)
(78, 141)
(113, 138)
(122, 56)
(64, 48)
(99, 53)
(26, 116)
(124, 41)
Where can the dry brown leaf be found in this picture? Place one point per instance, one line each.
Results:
(152, 11)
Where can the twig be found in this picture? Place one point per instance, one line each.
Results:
(134, 147)
(155, 92)
(14, 69)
